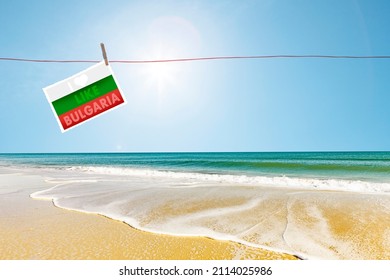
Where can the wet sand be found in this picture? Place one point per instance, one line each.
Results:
(36, 229)
(314, 224)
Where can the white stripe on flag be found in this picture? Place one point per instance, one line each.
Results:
(77, 81)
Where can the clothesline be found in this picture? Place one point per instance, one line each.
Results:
(282, 56)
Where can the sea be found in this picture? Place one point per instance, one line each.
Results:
(246, 197)
(354, 171)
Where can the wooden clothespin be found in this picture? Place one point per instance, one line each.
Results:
(104, 53)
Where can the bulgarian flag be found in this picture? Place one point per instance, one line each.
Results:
(84, 96)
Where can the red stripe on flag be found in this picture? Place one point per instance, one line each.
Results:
(91, 109)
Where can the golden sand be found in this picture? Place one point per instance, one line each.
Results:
(62, 234)
(357, 224)
(317, 224)
(365, 228)
(35, 229)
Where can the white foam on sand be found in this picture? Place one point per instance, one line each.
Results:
(252, 213)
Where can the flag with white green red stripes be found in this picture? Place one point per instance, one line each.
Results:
(84, 96)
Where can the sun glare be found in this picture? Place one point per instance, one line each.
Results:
(168, 37)
(160, 76)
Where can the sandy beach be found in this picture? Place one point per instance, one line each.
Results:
(280, 223)
(36, 229)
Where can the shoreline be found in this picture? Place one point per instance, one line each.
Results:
(330, 224)
(37, 229)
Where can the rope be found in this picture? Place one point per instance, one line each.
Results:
(198, 58)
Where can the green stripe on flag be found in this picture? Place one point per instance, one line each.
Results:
(84, 95)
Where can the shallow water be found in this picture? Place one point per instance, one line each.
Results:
(295, 221)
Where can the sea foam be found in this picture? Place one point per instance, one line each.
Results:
(276, 181)
(283, 214)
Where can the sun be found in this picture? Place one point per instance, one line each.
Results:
(168, 37)
(160, 76)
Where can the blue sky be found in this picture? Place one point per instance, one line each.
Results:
(240, 105)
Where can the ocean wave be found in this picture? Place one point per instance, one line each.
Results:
(271, 181)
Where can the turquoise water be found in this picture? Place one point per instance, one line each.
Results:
(365, 166)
